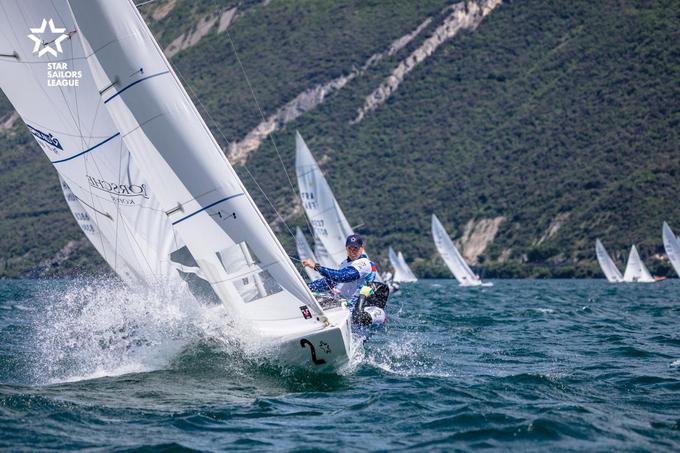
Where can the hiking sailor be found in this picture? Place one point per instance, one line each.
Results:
(354, 272)
(354, 281)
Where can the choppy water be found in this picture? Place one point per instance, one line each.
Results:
(524, 365)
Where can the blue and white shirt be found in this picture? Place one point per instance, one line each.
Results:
(348, 279)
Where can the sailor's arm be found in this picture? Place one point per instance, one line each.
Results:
(346, 274)
(321, 285)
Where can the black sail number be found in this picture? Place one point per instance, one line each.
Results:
(316, 361)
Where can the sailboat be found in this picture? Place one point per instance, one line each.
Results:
(305, 252)
(636, 271)
(672, 246)
(607, 264)
(402, 273)
(329, 223)
(452, 256)
(145, 178)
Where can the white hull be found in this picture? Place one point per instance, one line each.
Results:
(476, 285)
(325, 350)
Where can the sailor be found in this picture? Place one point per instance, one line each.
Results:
(354, 272)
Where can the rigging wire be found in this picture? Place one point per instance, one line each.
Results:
(219, 130)
(271, 136)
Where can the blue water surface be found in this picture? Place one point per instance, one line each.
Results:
(523, 365)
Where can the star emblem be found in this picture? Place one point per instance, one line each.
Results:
(46, 45)
(325, 347)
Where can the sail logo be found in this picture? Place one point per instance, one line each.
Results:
(47, 138)
(46, 45)
(121, 190)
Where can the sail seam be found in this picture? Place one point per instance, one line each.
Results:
(87, 150)
(135, 83)
(208, 207)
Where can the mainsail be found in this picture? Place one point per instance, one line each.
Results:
(451, 256)
(402, 273)
(112, 201)
(226, 236)
(409, 275)
(325, 259)
(636, 271)
(323, 211)
(672, 246)
(608, 267)
(305, 252)
(329, 223)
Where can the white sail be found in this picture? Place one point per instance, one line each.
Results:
(672, 246)
(226, 241)
(402, 273)
(99, 241)
(109, 197)
(198, 190)
(325, 259)
(608, 267)
(451, 256)
(322, 209)
(329, 223)
(408, 273)
(305, 252)
(636, 271)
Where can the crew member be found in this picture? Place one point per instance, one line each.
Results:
(354, 272)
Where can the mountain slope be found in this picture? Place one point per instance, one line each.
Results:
(554, 121)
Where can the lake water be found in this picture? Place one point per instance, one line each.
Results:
(523, 365)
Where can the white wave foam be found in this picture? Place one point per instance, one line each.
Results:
(404, 356)
(92, 329)
(675, 363)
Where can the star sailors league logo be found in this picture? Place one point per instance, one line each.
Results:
(46, 45)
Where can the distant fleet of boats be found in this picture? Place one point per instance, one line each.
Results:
(330, 227)
(636, 271)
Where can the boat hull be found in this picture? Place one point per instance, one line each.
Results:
(324, 350)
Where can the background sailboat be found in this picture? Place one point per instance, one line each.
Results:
(607, 264)
(636, 271)
(672, 246)
(305, 252)
(452, 256)
(329, 223)
(402, 273)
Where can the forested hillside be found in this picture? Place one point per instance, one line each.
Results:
(530, 128)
